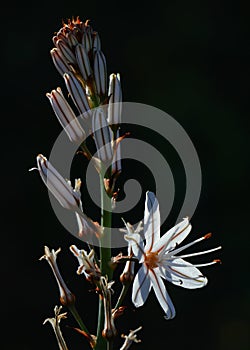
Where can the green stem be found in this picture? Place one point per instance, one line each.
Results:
(105, 258)
(78, 319)
(124, 290)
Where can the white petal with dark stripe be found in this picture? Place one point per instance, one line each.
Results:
(152, 221)
(162, 294)
(184, 274)
(141, 286)
(174, 236)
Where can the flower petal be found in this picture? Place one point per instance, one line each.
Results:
(184, 274)
(173, 236)
(162, 294)
(141, 286)
(152, 222)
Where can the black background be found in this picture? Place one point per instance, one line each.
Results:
(188, 58)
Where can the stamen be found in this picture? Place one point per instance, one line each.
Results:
(176, 251)
(198, 253)
(216, 261)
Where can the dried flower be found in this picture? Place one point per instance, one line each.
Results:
(127, 275)
(55, 323)
(87, 263)
(109, 331)
(66, 297)
(130, 338)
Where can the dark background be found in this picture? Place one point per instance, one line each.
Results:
(188, 58)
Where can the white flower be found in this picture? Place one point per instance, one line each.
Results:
(160, 261)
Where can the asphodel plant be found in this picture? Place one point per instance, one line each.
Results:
(93, 100)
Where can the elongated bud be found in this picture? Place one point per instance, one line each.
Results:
(72, 40)
(87, 40)
(66, 297)
(77, 93)
(59, 187)
(115, 100)
(66, 116)
(102, 135)
(83, 61)
(100, 72)
(96, 41)
(59, 61)
(66, 51)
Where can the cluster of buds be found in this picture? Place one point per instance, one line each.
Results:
(78, 58)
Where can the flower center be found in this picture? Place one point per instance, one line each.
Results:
(151, 259)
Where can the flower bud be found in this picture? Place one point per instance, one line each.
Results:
(87, 40)
(96, 41)
(100, 72)
(66, 51)
(115, 100)
(72, 40)
(59, 187)
(102, 135)
(83, 61)
(77, 93)
(66, 116)
(59, 61)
